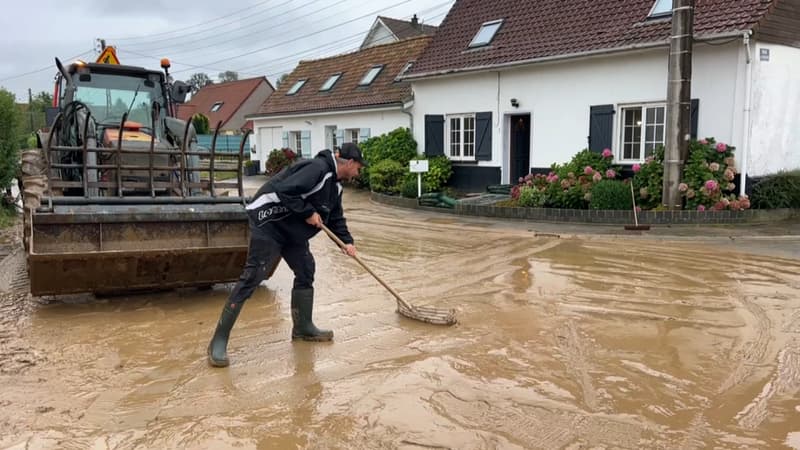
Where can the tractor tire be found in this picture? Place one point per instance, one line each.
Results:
(34, 183)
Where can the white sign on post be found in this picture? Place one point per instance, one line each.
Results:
(418, 166)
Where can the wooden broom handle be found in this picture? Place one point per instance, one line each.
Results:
(374, 275)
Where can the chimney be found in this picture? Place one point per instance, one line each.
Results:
(415, 21)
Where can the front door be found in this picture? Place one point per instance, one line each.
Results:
(520, 133)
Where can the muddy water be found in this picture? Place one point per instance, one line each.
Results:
(562, 343)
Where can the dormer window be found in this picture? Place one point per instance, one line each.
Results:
(216, 106)
(661, 8)
(297, 86)
(330, 82)
(371, 75)
(404, 70)
(486, 33)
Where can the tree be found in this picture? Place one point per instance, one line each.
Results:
(197, 81)
(9, 142)
(281, 80)
(200, 122)
(32, 115)
(228, 75)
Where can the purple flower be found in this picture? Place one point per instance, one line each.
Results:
(636, 168)
(607, 153)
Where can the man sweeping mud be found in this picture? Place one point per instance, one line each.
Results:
(285, 213)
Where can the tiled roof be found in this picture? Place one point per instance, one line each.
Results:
(346, 94)
(232, 95)
(534, 30)
(405, 29)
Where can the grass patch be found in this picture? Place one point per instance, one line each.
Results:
(218, 176)
(7, 216)
(507, 203)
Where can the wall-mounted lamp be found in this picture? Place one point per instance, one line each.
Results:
(514, 103)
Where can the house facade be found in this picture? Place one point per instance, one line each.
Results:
(228, 103)
(347, 98)
(501, 103)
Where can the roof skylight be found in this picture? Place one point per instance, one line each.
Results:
(216, 106)
(296, 87)
(486, 33)
(330, 82)
(371, 75)
(661, 8)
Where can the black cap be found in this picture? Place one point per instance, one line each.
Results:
(351, 151)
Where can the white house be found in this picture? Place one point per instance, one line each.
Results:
(386, 30)
(507, 88)
(346, 98)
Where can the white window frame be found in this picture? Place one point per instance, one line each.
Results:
(643, 124)
(486, 33)
(658, 8)
(296, 141)
(352, 135)
(464, 148)
(297, 86)
(216, 106)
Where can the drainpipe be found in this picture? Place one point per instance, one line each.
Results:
(748, 93)
(406, 109)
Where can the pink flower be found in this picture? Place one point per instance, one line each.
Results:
(521, 180)
(571, 175)
(722, 148)
(529, 183)
(703, 141)
(649, 160)
(730, 187)
(636, 168)
(719, 206)
(690, 193)
(711, 185)
(744, 202)
(683, 187)
(713, 166)
(607, 153)
(597, 176)
(725, 201)
(701, 208)
(729, 161)
(638, 209)
(610, 173)
(588, 170)
(565, 184)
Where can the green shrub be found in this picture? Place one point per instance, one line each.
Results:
(387, 176)
(397, 145)
(648, 180)
(708, 177)
(201, 125)
(440, 169)
(532, 197)
(9, 139)
(780, 190)
(278, 159)
(610, 194)
(409, 186)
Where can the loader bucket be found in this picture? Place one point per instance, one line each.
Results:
(126, 248)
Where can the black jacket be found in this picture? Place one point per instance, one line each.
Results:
(282, 205)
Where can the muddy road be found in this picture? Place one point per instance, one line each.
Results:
(563, 342)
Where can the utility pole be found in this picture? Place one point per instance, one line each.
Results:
(679, 97)
(30, 108)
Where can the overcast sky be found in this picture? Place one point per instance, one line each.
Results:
(251, 37)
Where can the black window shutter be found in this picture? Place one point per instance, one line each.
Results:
(693, 115)
(601, 127)
(434, 135)
(483, 136)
